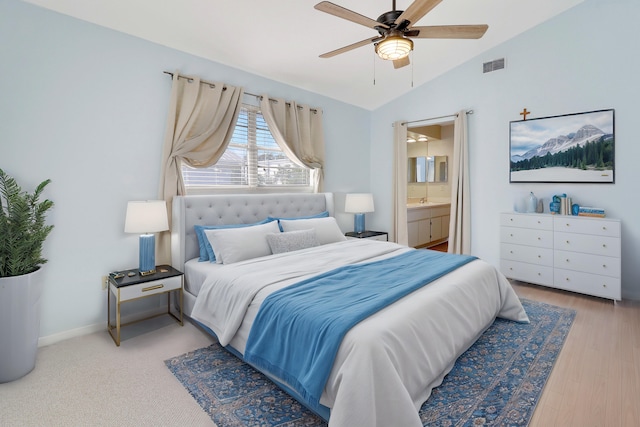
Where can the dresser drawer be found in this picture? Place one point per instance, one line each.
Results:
(530, 254)
(596, 264)
(150, 288)
(526, 236)
(539, 222)
(531, 273)
(589, 244)
(595, 226)
(587, 283)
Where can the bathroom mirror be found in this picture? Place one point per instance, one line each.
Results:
(427, 169)
(417, 169)
(438, 165)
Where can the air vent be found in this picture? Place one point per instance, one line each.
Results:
(496, 64)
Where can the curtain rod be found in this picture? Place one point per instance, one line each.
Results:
(209, 83)
(436, 118)
(313, 110)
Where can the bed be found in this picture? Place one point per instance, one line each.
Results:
(385, 365)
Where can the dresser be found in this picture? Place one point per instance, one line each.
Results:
(578, 254)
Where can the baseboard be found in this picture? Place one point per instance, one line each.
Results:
(73, 333)
(97, 327)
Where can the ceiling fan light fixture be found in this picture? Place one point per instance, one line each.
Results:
(394, 47)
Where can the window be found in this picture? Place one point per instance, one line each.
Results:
(253, 159)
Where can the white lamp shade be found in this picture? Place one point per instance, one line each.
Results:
(149, 216)
(358, 203)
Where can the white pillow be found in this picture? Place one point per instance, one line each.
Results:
(292, 241)
(238, 244)
(327, 230)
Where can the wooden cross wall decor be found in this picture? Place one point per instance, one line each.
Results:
(524, 114)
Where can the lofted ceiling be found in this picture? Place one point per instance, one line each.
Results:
(281, 39)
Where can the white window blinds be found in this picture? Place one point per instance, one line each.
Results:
(253, 159)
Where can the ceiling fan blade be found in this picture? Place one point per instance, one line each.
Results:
(448, 32)
(350, 47)
(349, 15)
(402, 62)
(416, 11)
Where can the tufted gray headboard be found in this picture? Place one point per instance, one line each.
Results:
(234, 209)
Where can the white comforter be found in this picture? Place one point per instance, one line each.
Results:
(388, 364)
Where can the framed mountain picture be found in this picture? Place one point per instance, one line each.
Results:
(575, 148)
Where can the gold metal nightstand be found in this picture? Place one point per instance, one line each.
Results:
(132, 286)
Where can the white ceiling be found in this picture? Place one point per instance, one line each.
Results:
(281, 39)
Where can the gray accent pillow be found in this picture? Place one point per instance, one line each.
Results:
(292, 240)
(327, 230)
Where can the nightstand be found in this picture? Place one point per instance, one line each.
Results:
(131, 286)
(372, 235)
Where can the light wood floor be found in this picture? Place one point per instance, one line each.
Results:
(596, 379)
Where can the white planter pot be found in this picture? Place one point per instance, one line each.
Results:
(19, 324)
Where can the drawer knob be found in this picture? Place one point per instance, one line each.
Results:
(539, 238)
(538, 221)
(567, 259)
(510, 219)
(568, 224)
(539, 274)
(604, 265)
(511, 268)
(604, 228)
(566, 278)
(510, 234)
(604, 245)
(510, 252)
(567, 242)
(539, 256)
(604, 285)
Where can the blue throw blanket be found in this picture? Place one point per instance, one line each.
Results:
(298, 329)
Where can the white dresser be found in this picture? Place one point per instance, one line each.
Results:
(579, 254)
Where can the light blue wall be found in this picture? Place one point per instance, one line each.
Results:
(584, 59)
(86, 107)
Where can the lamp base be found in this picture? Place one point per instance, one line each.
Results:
(147, 254)
(358, 223)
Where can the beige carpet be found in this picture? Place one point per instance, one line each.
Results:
(88, 381)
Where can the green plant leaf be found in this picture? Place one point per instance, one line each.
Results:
(23, 229)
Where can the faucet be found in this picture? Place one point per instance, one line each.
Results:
(422, 200)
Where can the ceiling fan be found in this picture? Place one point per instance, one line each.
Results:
(396, 31)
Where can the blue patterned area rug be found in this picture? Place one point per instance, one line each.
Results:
(498, 381)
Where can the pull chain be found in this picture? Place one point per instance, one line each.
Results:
(412, 61)
(374, 69)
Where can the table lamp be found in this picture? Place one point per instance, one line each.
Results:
(147, 217)
(358, 204)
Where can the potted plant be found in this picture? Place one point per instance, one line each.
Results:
(22, 233)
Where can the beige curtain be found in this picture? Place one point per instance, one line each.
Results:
(298, 131)
(460, 225)
(400, 183)
(200, 123)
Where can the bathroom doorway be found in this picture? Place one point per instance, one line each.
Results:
(429, 151)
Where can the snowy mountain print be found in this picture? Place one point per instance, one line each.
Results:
(571, 148)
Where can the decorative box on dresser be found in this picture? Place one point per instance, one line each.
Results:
(579, 254)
